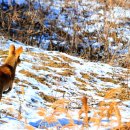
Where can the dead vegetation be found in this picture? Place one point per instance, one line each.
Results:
(47, 98)
(104, 79)
(113, 3)
(104, 110)
(58, 64)
(85, 76)
(65, 58)
(121, 93)
(66, 72)
(31, 75)
(125, 126)
(2, 52)
(40, 67)
(81, 81)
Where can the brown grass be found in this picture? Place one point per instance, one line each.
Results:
(121, 3)
(108, 110)
(66, 59)
(3, 52)
(82, 86)
(32, 75)
(81, 80)
(125, 126)
(60, 91)
(121, 93)
(57, 64)
(66, 72)
(40, 67)
(108, 80)
(47, 97)
(56, 58)
(84, 109)
(85, 75)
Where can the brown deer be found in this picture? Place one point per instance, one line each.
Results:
(7, 70)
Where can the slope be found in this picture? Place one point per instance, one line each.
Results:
(43, 77)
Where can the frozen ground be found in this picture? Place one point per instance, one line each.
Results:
(45, 76)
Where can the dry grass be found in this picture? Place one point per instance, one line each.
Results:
(111, 80)
(82, 86)
(112, 3)
(40, 67)
(60, 91)
(32, 75)
(85, 75)
(56, 58)
(47, 97)
(81, 80)
(3, 52)
(43, 57)
(57, 64)
(33, 27)
(66, 72)
(118, 93)
(84, 109)
(106, 110)
(125, 126)
(66, 59)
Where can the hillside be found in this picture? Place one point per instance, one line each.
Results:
(94, 29)
(44, 77)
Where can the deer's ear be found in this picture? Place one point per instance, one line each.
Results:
(11, 50)
(19, 51)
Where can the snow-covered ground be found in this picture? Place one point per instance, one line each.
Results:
(45, 76)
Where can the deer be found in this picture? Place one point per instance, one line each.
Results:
(7, 70)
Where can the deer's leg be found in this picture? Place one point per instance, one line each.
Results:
(1, 89)
(5, 92)
(9, 88)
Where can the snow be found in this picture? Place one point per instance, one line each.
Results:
(120, 12)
